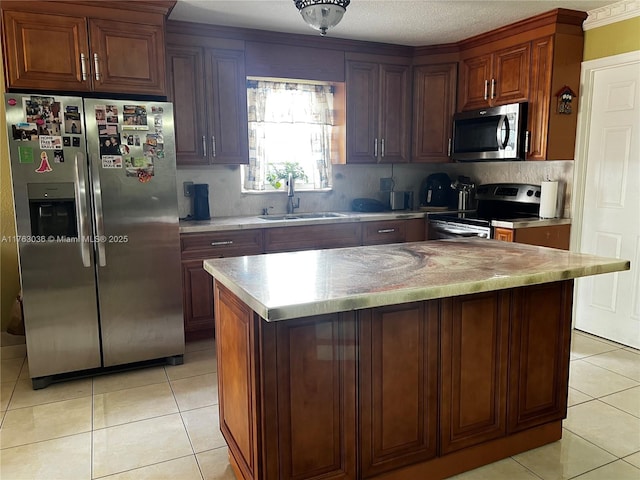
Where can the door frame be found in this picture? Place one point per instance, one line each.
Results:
(587, 74)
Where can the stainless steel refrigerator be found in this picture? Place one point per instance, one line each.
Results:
(97, 231)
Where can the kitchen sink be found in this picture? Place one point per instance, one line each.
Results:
(302, 216)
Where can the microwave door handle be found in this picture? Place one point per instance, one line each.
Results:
(503, 126)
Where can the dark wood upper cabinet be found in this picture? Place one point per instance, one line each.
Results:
(495, 79)
(186, 91)
(82, 49)
(208, 89)
(378, 110)
(59, 66)
(434, 103)
(528, 61)
(227, 107)
(127, 58)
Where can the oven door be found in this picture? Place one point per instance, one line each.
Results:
(439, 229)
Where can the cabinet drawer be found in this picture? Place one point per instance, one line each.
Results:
(555, 236)
(391, 231)
(287, 239)
(221, 244)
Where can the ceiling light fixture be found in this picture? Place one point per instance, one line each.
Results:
(322, 14)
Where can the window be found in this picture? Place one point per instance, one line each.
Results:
(290, 129)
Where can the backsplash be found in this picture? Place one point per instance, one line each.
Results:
(354, 181)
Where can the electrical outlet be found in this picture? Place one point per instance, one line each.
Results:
(188, 188)
(386, 184)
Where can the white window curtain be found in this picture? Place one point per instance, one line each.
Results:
(289, 123)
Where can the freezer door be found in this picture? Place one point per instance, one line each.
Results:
(132, 156)
(50, 186)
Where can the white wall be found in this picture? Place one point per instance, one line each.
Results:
(353, 181)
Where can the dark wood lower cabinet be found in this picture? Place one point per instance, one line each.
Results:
(197, 300)
(539, 357)
(398, 386)
(418, 390)
(316, 397)
(474, 353)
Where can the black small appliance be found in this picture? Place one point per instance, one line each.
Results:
(201, 201)
(436, 191)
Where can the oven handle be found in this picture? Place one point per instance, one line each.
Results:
(442, 232)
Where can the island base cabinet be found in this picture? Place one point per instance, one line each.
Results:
(423, 389)
(398, 385)
(474, 354)
(539, 354)
(287, 393)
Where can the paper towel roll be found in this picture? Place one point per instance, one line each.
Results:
(548, 199)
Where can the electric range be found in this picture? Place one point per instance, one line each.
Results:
(496, 201)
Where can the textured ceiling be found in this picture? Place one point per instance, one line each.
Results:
(404, 22)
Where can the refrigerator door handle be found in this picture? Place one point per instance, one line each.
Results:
(81, 208)
(98, 217)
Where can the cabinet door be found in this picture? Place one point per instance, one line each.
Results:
(43, 51)
(127, 57)
(186, 91)
(510, 80)
(434, 101)
(228, 140)
(504, 234)
(538, 114)
(475, 76)
(197, 291)
(398, 385)
(315, 399)
(362, 112)
(474, 353)
(554, 236)
(395, 114)
(539, 359)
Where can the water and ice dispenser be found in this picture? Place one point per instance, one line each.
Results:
(52, 208)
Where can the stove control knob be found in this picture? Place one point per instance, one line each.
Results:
(529, 193)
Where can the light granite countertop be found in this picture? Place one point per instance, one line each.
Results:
(530, 222)
(282, 286)
(218, 224)
(257, 221)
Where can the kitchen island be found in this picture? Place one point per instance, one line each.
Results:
(418, 360)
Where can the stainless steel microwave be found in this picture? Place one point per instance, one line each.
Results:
(490, 134)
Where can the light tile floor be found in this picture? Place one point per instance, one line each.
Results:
(162, 422)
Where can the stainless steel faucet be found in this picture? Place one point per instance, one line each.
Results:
(290, 193)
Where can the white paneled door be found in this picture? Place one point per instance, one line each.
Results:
(609, 305)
